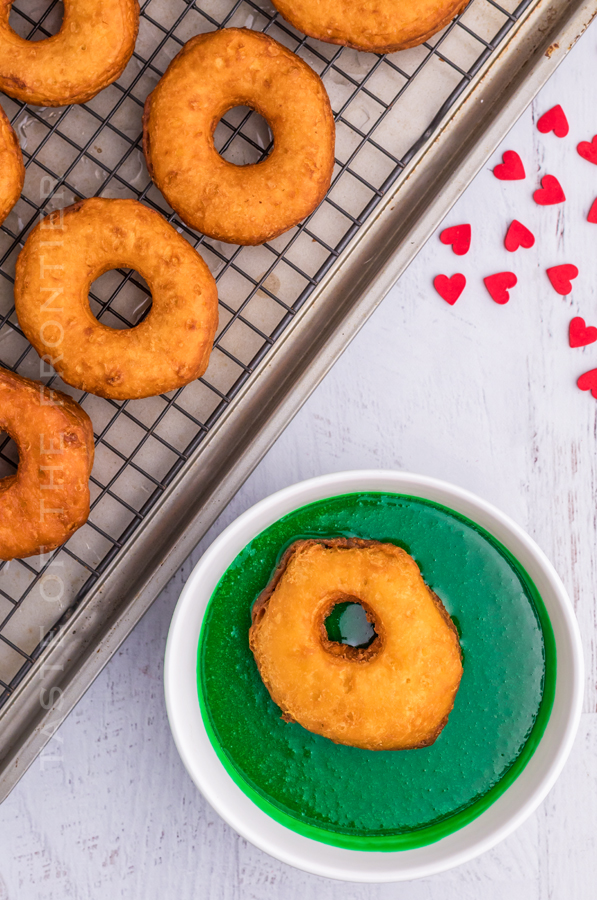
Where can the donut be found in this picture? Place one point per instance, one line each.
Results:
(12, 170)
(67, 251)
(394, 694)
(239, 204)
(47, 499)
(91, 50)
(377, 26)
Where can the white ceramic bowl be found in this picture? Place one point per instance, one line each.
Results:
(204, 767)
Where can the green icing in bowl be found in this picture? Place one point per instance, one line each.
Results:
(386, 800)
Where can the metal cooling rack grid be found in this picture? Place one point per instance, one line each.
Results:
(142, 445)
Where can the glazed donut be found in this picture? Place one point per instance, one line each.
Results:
(12, 170)
(67, 251)
(394, 694)
(239, 204)
(377, 26)
(47, 499)
(91, 50)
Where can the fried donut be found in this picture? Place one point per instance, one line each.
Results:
(91, 50)
(47, 499)
(239, 204)
(394, 694)
(12, 170)
(67, 251)
(377, 26)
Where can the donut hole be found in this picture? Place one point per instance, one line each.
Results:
(243, 137)
(347, 624)
(50, 14)
(9, 456)
(120, 299)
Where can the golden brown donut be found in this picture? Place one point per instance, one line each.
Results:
(239, 204)
(47, 499)
(378, 26)
(91, 50)
(395, 694)
(67, 251)
(12, 170)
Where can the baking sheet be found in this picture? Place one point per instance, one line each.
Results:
(388, 110)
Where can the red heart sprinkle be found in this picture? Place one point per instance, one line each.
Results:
(518, 236)
(580, 335)
(551, 193)
(450, 289)
(511, 169)
(554, 120)
(592, 217)
(459, 236)
(588, 382)
(498, 286)
(561, 277)
(588, 150)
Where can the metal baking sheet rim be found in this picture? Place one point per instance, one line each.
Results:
(295, 365)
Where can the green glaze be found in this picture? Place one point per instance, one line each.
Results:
(386, 800)
(348, 624)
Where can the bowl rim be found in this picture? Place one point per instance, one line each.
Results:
(208, 773)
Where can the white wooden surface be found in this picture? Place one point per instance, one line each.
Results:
(478, 394)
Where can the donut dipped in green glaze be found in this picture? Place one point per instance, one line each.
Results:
(394, 694)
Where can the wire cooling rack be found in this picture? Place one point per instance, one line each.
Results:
(385, 107)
